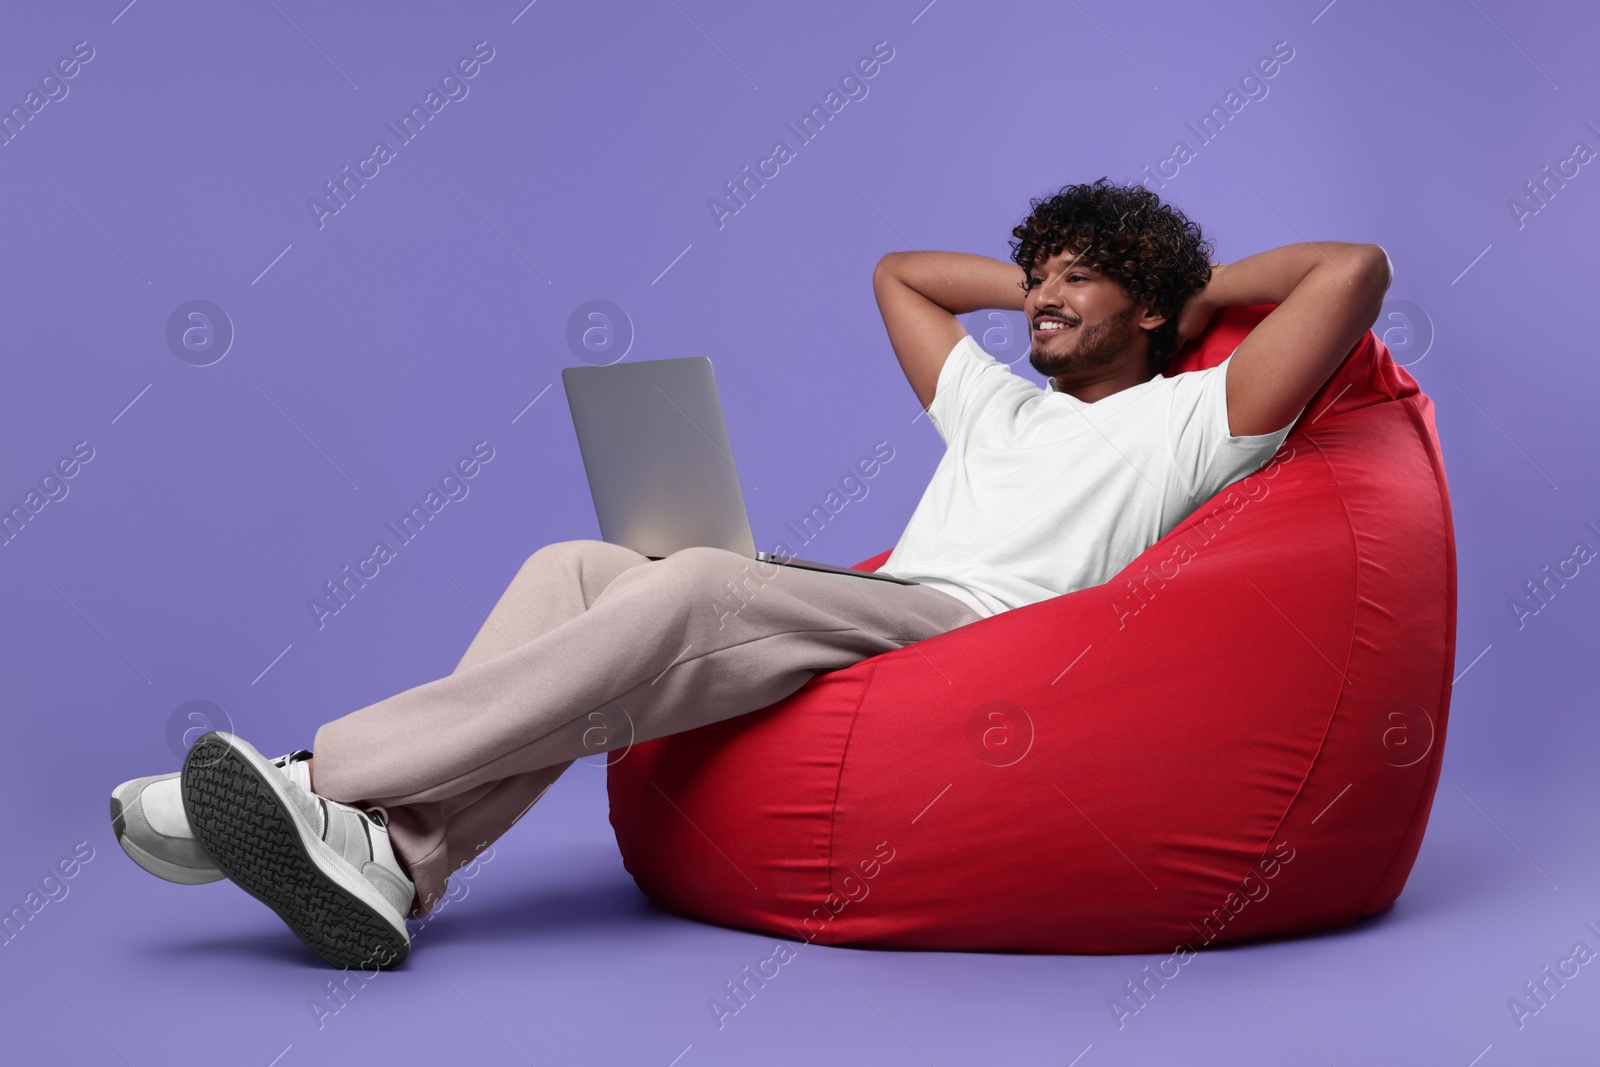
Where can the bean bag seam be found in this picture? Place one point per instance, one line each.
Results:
(844, 759)
(1360, 576)
(1425, 795)
(1322, 743)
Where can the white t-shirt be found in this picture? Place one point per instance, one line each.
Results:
(1040, 493)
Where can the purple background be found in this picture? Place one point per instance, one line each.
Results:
(434, 308)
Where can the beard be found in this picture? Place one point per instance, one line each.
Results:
(1097, 345)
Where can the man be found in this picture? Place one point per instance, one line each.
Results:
(593, 647)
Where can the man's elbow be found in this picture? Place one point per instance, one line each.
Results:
(1369, 272)
(886, 269)
(1376, 268)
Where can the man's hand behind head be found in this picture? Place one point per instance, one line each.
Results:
(1198, 310)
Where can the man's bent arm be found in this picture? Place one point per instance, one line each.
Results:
(921, 293)
(1328, 294)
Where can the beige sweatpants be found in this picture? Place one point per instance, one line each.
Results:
(591, 648)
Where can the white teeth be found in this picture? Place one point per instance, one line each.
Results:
(1052, 324)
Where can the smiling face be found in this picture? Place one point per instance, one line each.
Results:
(1087, 333)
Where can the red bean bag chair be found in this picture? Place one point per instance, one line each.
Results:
(1237, 736)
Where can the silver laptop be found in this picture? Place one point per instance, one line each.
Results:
(661, 470)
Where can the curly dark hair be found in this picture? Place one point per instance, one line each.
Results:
(1151, 249)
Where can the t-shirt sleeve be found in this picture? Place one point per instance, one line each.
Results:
(1206, 457)
(970, 380)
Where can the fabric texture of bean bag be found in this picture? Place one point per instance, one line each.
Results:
(1238, 736)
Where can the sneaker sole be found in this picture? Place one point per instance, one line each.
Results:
(257, 839)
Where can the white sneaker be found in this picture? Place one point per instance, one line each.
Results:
(148, 818)
(326, 868)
